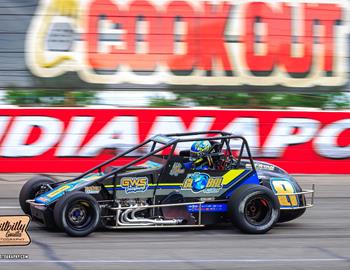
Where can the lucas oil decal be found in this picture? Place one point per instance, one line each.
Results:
(198, 182)
(92, 189)
(134, 184)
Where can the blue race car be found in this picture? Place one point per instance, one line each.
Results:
(174, 180)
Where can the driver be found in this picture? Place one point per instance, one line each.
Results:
(199, 158)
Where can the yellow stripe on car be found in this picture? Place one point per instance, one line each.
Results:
(231, 175)
(57, 191)
(227, 178)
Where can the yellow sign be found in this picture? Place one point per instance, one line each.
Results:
(13, 230)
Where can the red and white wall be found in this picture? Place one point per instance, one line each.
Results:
(73, 140)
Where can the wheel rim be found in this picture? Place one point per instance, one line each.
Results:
(79, 215)
(258, 210)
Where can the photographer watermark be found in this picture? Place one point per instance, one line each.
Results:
(14, 256)
(13, 230)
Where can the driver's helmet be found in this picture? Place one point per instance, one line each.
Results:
(199, 149)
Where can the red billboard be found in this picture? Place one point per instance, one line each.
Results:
(157, 44)
(73, 140)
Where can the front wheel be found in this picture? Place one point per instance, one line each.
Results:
(33, 188)
(77, 213)
(254, 209)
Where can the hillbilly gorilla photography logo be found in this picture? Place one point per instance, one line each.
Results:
(13, 230)
(201, 42)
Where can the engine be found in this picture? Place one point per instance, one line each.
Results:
(137, 213)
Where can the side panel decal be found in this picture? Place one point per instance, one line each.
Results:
(283, 186)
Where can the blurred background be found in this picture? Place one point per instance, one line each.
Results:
(274, 71)
(267, 54)
(82, 80)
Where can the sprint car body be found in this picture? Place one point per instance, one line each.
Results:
(154, 188)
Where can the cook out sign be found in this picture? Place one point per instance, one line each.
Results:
(72, 140)
(299, 44)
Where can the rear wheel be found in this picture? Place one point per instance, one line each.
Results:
(254, 209)
(33, 188)
(77, 213)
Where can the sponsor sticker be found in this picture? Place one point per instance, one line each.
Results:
(177, 169)
(13, 230)
(261, 166)
(92, 189)
(202, 182)
(134, 184)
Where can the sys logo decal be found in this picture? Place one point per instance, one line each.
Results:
(198, 182)
(134, 184)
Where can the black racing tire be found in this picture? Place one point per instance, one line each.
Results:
(253, 209)
(31, 189)
(288, 215)
(77, 213)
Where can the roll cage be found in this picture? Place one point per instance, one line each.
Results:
(165, 141)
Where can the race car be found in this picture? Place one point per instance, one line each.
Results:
(175, 180)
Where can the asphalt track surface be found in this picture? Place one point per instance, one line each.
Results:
(318, 240)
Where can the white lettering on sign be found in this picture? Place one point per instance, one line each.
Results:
(248, 127)
(85, 136)
(326, 141)
(4, 120)
(15, 145)
(120, 130)
(289, 131)
(73, 136)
